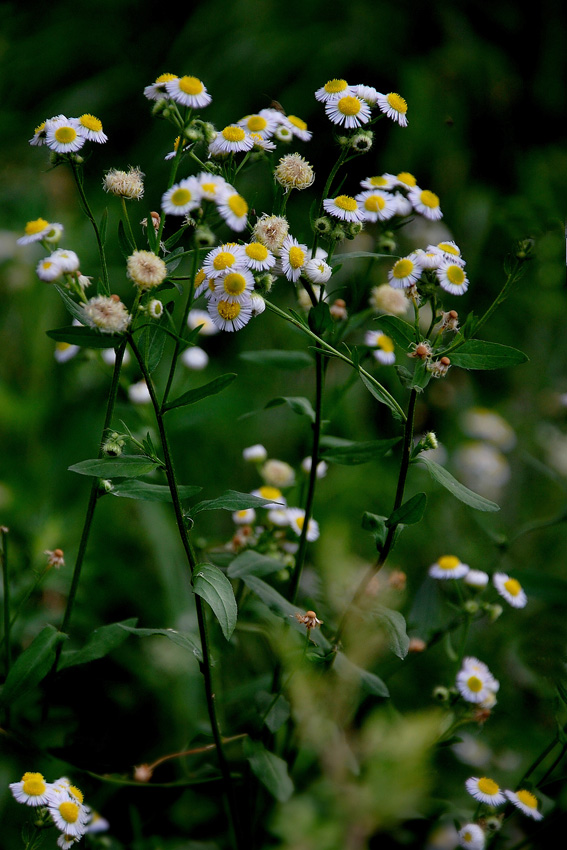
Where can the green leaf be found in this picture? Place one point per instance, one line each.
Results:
(101, 642)
(319, 318)
(125, 466)
(458, 490)
(73, 308)
(351, 453)
(253, 563)
(182, 639)
(173, 259)
(421, 377)
(232, 500)
(401, 332)
(274, 709)
(278, 359)
(146, 492)
(212, 585)
(479, 354)
(410, 512)
(301, 406)
(213, 387)
(270, 769)
(85, 337)
(376, 525)
(152, 342)
(103, 225)
(351, 673)
(395, 627)
(127, 247)
(32, 665)
(377, 390)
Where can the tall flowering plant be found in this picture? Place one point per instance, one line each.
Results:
(321, 755)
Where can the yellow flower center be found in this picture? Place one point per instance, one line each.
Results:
(296, 257)
(474, 684)
(257, 251)
(513, 587)
(374, 203)
(385, 343)
(271, 494)
(297, 122)
(349, 105)
(448, 562)
(238, 205)
(76, 793)
(256, 123)
(69, 812)
(65, 135)
(407, 178)
(91, 123)
(200, 277)
(180, 197)
(345, 202)
(228, 310)
(33, 227)
(402, 269)
(449, 249)
(527, 798)
(223, 260)
(234, 283)
(165, 78)
(455, 275)
(34, 784)
(233, 134)
(300, 522)
(335, 86)
(488, 786)
(209, 187)
(40, 128)
(190, 85)
(62, 346)
(378, 181)
(397, 102)
(429, 199)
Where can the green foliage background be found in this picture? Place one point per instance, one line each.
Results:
(484, 84)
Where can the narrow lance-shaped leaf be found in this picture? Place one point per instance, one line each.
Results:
(194, 395)
(278, 358)
(212, 585)
(133, 488)
(270, 769)
(182, 639)
(85, 337)
(479, 354)
(298, 404)
(232, 500)
(410, 512)
(101, 642)
(352, 453)
(33, 665)
(125, 466)
(469, 497)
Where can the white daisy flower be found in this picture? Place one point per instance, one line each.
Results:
(139, 393)
(394, 106)
(39, 134)
(32, 790)
(293, 258)
(349, 110)
(273, 496)
(228, 257)
(201, 319)
(244, 517)
(157, 90)
(344, 207)
(377, 205)
(36, 231)
(194, 357)
(322, 467)
(48, 270)
(333, 90)
(526, 802)
(235, 286)
(283, 133)
(69, 815)
(92, 128)
(510, 589)
(367, 93)
(429, 259)
(317, 270)
(258, 257)
(109, 356)
(296, 519)
(403, 205)
(258, 304)
(232, 139)
(178, 141)
(379, 181)
(263, 123)
(68, 260)
(448, 566)
(66, 841)
(234, 210)
(476, 578)
(475, 682)
(65, 351)
(449, 250)
(484, 424)
(212, 186)
(188, 91)
(255, 454)
(277, 473)
(262, 144)
(229, 315)
(97, 823)
(182, 197)
(203, 284)
(485, 790)
(278, 516)
(64, 135)
(298, 127)
(452, 278)
(383, 345)
(425, 202)
(472, 837)
(405, 272)
(405, 180)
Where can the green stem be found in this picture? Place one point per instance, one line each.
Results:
(90, 216)
(182, 326)
(127, 220)
(206, 663)
(6, 580)
(390, 536)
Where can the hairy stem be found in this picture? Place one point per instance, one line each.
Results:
(88, 212)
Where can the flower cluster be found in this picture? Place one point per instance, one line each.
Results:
(350, 106)
(476, 683)
(61, 804)
(68, 135)
(440, 264)
(489, 793)
(451, 567)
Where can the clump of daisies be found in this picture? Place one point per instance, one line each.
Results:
(64, 135)
(58, 804)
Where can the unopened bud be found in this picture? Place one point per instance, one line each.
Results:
(338, 309)
(441, 694)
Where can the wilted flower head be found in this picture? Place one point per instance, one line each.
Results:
(126, 184)
(145, 269)
(107, 313)
(277, 473)
(294, 172)
(309, 619)
(55, 558)
(386, 299)
(271, 231)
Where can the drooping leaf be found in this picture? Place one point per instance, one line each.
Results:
(198, 393)
(371, 683)
(351, 453)
(182, 639)
(394, 625)
(125, 466)
(410, 512)
(253, 563)
(377, 390)
(211, 584)
(479, 354)
(270, 769)
(278, 359)
(33, 665)
(133, 488)
(232, 500)
(319, 318)
(85, 337)
(443, 477)
(298, 404)
(101, 642)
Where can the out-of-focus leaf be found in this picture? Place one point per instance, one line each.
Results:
(479, 354)
(101, 642)
(377, 390)
(212, 388)
(278, 359)
(351, 453)
(125, 466)
(274, 709)
(401, 332)
(376, 525)
(351, 673)
(85, 337)
(319, 318)
(253, 563)
(211, 584)
(146, 492)
(182, 639)
(458, 490)
(270, 769)
(232, 500)
(410, 512)
(298, 404)
(32, 665)
(395, 627)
